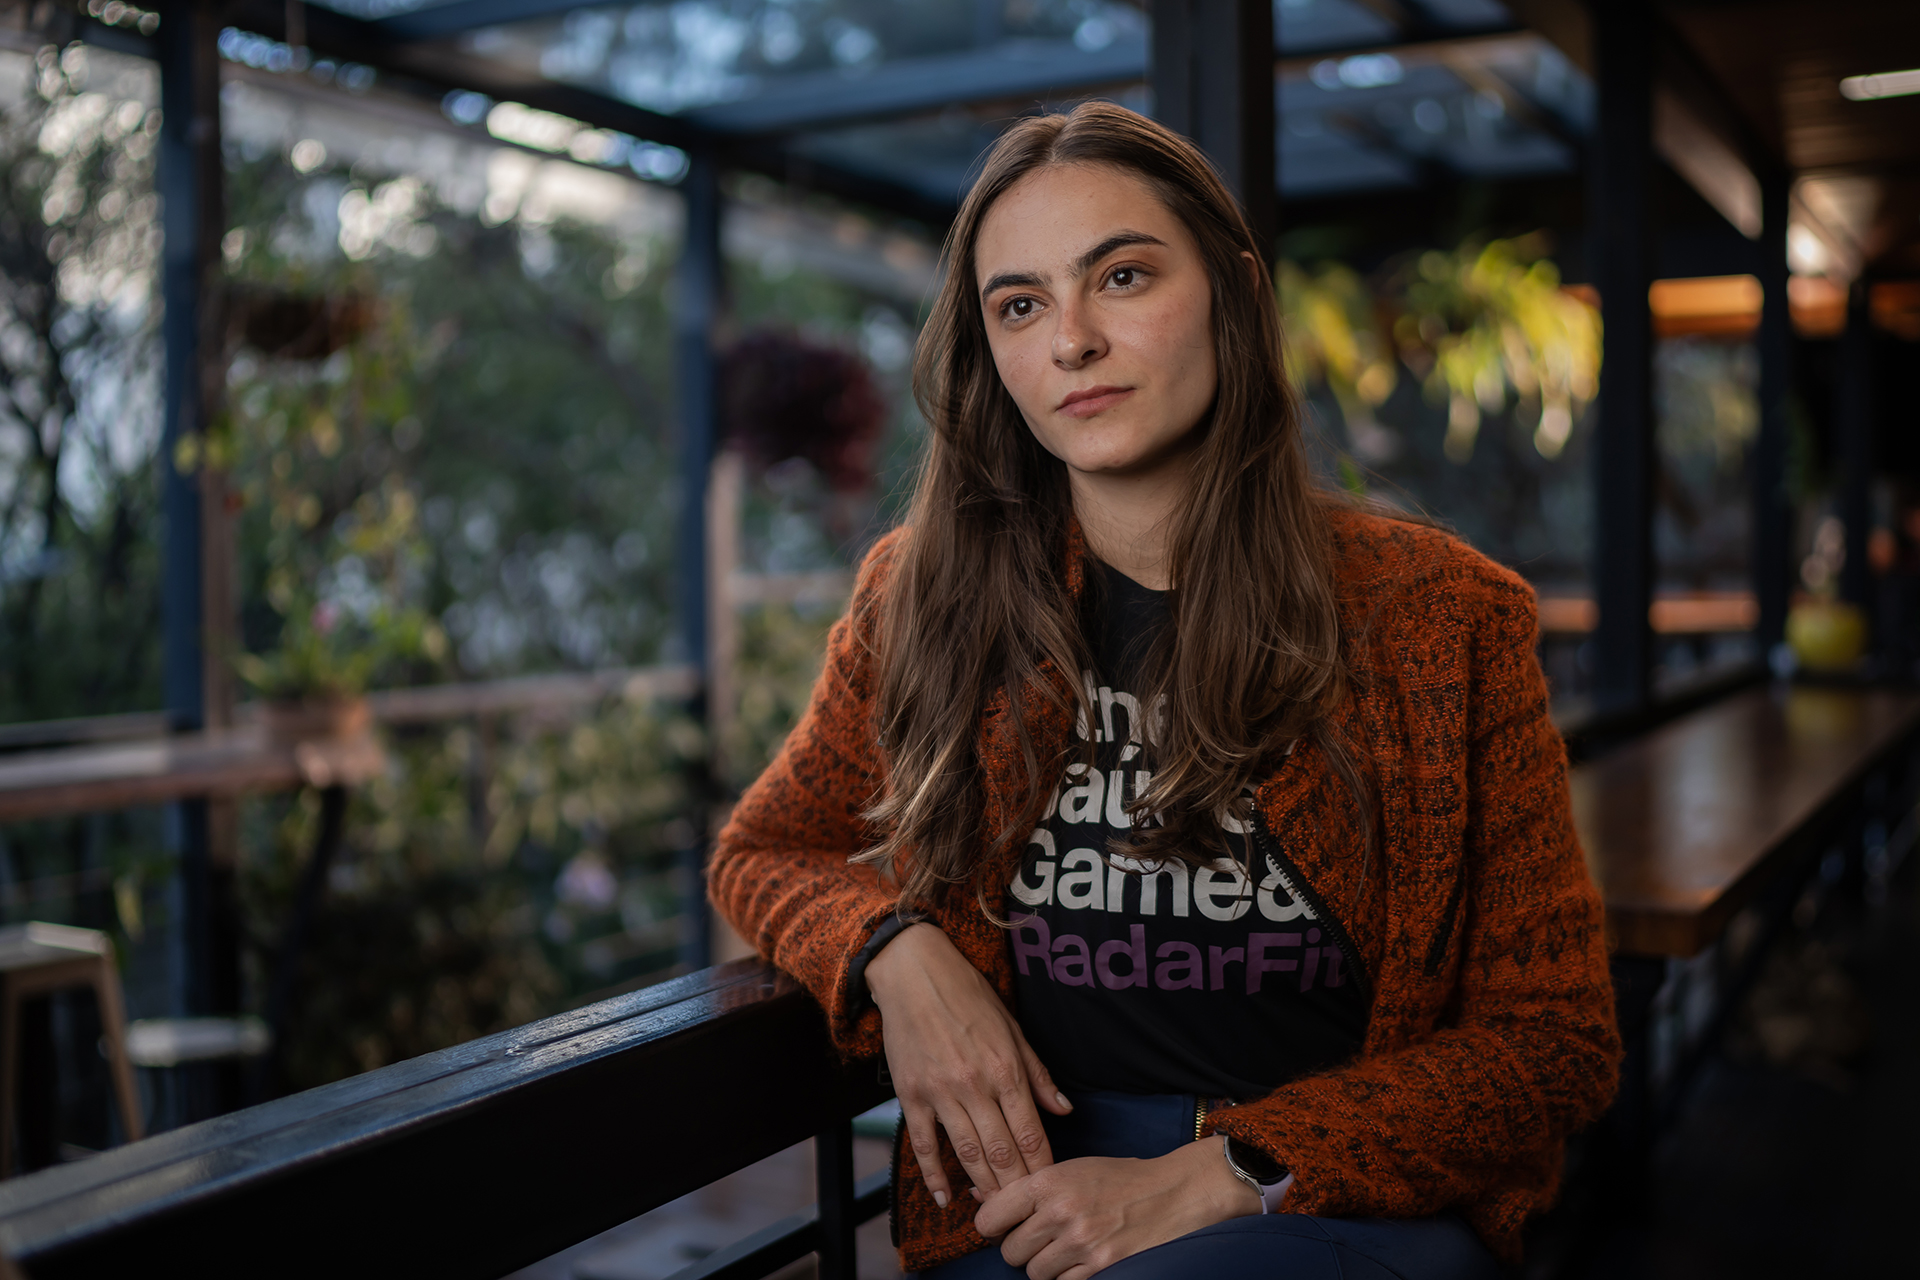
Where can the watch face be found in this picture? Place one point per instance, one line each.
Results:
(1255, 1163)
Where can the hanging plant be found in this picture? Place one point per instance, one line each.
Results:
(785, 397)
(1335, 339)
(1484, 327)
(1494, 327)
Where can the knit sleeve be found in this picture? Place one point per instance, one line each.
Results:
(1475, 1114)
(780, 872)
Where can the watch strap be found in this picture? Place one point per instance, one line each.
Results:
(1264, 1176)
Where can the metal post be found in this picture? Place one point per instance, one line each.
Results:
(189, 159)
(268, 1070)
(1630, 1123)
(699, 287)
(182, 184)
(1212, 80)
(1772, 510)
(1621, 222)
(1853, 452)
(833, 1187)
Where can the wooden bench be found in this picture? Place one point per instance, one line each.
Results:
(1683, 827)
(1723, 813)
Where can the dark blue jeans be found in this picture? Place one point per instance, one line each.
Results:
(1281, 1246)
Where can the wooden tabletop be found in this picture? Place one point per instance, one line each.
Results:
(229, 762)
(1683, 826)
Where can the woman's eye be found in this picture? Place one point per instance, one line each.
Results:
(1123, 277)
(1018, 308)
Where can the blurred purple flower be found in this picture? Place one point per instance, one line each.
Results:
(786, 397)
(587, 881)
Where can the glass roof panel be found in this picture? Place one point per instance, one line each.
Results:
(1498, 108)
(376, 9)
(1312, 26)
(1308, 26)
(693, 54)
(1467, 13)
(1510, 107)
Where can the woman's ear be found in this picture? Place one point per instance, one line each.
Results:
(1253, 266)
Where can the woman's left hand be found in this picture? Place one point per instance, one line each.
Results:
(1081, 1216)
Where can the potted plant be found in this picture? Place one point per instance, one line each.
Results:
(313, 684)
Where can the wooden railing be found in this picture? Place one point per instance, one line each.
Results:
(479, 1159)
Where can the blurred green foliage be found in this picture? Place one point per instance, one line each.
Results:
(781, 648)
(1455, 382)
(469, 475)
(504, 418)
(79, 424)
(499, 870)
(479, 478)
(1485, 327)
(330, 525)
(79, 390)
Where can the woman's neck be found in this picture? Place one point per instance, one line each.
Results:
(1128, 520)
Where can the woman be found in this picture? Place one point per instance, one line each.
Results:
(1195, 846)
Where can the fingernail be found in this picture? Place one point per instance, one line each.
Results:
(940, 1198)
(1061, 1098)
(976, 1194)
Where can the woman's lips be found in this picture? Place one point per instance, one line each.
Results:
(1084, 404)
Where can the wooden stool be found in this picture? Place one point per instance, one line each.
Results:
(37, 959)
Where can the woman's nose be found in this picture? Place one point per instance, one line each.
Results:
(1076, 341)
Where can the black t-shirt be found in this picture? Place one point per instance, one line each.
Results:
(1168, 979)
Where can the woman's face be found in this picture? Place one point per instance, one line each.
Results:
(1099, 314)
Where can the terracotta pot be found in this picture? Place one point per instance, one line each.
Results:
(291, 720)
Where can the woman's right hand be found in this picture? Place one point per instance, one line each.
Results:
(959, 1062)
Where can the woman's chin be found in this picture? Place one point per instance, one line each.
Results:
(1130, 460)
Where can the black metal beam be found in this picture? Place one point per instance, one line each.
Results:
(1772, 509)
(833, 1182)
(465, 1163)
(1212, 78)
(1620, 199)
(699, 289)
(192, 212)
(189, 181)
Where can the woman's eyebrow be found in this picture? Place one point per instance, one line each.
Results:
(1118, 240)
(1029, 280)
(1011, 280)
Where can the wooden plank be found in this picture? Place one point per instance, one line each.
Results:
(133, 761)
(29, 735)
(1683, 826)
(226, 762)
(469, 1162)
(559, 691)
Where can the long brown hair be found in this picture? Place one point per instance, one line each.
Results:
(978, 598)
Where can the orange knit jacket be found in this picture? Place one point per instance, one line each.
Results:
(1491, 1034)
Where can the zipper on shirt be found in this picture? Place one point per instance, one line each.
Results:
(1270, 849)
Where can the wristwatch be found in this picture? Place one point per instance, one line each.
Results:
(1268, 1178)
